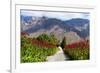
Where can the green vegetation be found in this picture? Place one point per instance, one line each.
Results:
(38, 49)
(77, 53)
(63, 43)
(49, 38)
(34, 53)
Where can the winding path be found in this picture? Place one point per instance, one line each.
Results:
(59, 56)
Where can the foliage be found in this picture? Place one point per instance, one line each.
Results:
(43, 37)
(77, 53)
(49, 38)
(78, 50)
(80, 44)
(63, 43)
(31, 52)
(42, 43)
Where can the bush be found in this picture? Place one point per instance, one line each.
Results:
(78, 51)
(42, 43)
(63, 43)
(43, 37)
(34, 53)
(51, 38)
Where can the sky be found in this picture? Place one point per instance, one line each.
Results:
(58, 15)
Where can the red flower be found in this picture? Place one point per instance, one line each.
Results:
(80, 44)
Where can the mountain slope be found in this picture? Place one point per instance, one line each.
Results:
(38, 25)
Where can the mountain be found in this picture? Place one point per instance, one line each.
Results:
(38, 25)
(80, 26)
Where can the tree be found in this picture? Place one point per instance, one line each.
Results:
(63, 43)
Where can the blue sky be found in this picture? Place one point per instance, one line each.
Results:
(58, 15)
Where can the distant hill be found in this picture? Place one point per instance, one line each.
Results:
(38, 25)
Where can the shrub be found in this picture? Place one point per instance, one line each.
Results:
(49, 38)
(43, 37)
(77, 53)
(32, 52)
(78, 50)
(42, 43)
(80, 44)
(36, 54)
(63, 43)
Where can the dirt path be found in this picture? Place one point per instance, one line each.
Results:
(59, 56)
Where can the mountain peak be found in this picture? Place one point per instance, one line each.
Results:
(77, 25)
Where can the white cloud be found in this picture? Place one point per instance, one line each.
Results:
(59, 15)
